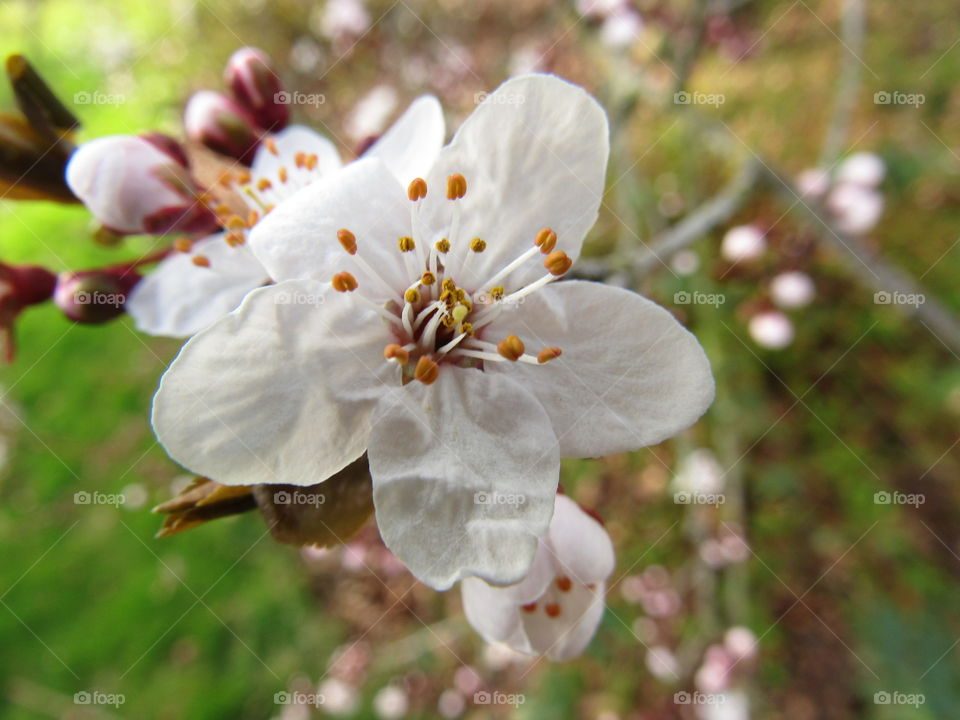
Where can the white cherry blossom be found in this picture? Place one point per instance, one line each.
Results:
(556, 609)
(191, 288)
(423, 326)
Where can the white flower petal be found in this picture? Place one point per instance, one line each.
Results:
(299, 238)
(493, 613)
(568, 634)
(410, 147)
(464, 475)
(178, 298)
(279, 391)
(581, 546)
(290, 141)
(534, 155)
(630, 374)
(115, 177)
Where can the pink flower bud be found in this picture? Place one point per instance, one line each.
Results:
(257, 88)
(132, 187)
(221, 124)
(166, 144)
(20, 287)
(771, 329)
(94, 296)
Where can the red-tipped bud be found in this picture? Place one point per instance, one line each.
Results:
(166, 144)
(20, 287)
(94, 296)
(131, 186)
(222, 125)
(257, 88)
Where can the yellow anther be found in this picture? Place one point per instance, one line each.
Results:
(546, 240)
(552, 610)
(348, 240)
(282, 174)
(243, 177)
(478, 245)
(396, 352)
(201, 261)
(448, 321)
(496, 293)
(252, 218)
(467, 328)
(236, 223)
(300, 159)
(548, 354)
(427, 370)
(234, 239)
(225, 179)
(264, 184)
(417, 190)
(344, 282)
(456, 186)
(461, 294)
(406, 244)
(443, 246)
(271, 145)
(459, 313)
(412, 296)
(449, 285)
(428, 278)
(222, 209)
(511, 347)
(311, 162)
(564, 584)
(182, 244)
(557, 262)
(529, 607)
(447, 297)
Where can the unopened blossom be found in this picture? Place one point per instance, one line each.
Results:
(422, 323)
(256, 87)
(132, 186)
(792, 290)
(856, 209)
(20, 287)
(866, 169)
(221, 124)
(202, 280)
(556, 609)
(771, 329)
(743, 243)
(94, 296)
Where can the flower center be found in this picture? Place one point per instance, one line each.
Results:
(437, 320)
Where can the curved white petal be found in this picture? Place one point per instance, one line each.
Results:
(178, 298)
(298, 239)
(534, 155)
(493, 614)
(115, 178)
(582, 549)
(464, 475)
(290, 141)
(411, 145)
(630, 374)
(567, 635)
(279, 391)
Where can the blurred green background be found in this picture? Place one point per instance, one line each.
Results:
(849, 597)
